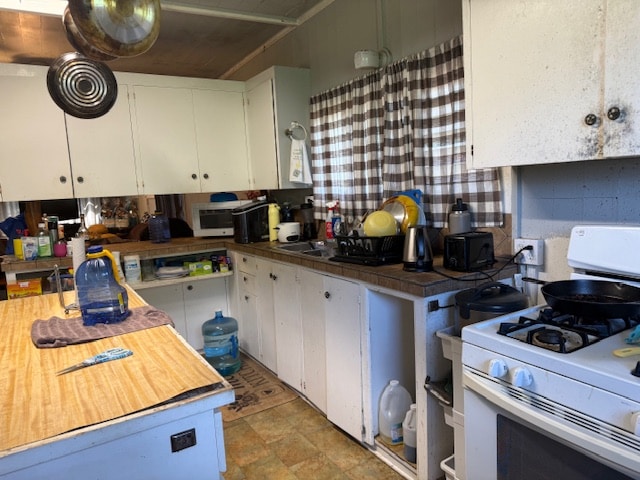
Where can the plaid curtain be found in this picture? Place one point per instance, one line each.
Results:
(400, 128)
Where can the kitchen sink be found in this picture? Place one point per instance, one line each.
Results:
(305, 248)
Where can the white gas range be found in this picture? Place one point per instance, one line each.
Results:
(532, 411)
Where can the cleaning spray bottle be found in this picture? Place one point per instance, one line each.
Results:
(332, 217)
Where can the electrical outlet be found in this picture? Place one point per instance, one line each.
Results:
(529, 257)
(182, 440)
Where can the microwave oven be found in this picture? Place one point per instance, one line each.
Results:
(214, 219)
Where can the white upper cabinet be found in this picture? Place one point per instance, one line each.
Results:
(221, 140)
(275, 98)
(551, 81)
(191, 139)
(34, 160)
(102, 152)
(166, 137)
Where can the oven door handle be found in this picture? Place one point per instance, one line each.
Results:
(561, 422)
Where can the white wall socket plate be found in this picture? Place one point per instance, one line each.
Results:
(529, 257)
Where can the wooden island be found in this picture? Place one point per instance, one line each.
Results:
(118, 416)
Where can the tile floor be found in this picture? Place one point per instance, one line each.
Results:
(295, 442)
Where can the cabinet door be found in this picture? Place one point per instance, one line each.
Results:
(222, 140)
(533, 72)
(248, 334)
(34, 161)
(262, 135)
(266, 318)
(287, 313)
(314, 368)
(344, 355)
(201, 300)
(167, 140)
(102, 152)
(622, 83)
(170, 300)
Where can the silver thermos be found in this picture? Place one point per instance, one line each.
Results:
(459, 218)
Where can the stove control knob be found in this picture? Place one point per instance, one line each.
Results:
(497, 368)
(521, 377)
(635, 423)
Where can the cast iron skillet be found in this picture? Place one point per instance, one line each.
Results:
(593, 298)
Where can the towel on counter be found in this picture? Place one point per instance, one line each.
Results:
(300, 168)
(60, 332)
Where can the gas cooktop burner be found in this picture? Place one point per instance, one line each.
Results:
(563, 333)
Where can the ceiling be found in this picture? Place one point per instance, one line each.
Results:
(201, 38)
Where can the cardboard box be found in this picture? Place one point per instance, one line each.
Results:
(204, 267)
(25, 288)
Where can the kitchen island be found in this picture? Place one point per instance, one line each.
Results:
(137, 415)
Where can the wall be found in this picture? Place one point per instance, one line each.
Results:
(326, 43)
(551, 199)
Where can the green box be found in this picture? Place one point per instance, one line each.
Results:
(199, 268)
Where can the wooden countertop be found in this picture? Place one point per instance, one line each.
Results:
(37, 405)
(386, 276)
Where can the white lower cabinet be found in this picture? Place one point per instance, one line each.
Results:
(189, 304)
(252, 306)
(306, 327)
(344, 355)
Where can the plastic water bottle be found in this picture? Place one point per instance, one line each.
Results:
(221, 344)
(44, 241)
(409, 434)
(159, 228)
(394, 403)
(100, 297)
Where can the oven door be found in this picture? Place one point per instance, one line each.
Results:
(511, 433)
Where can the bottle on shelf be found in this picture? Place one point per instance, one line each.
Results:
(221, 344)
(83, 232)
(44, 241)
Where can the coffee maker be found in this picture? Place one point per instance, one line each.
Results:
(309, 230)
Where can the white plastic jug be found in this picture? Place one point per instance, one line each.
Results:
(394, 403)
(409, 434)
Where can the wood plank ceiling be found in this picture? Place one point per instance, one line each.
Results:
(211, 42)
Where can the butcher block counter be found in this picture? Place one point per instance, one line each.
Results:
(119, 416)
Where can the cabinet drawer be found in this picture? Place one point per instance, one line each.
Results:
(247, 283)
(246, 264)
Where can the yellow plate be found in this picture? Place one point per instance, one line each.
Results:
(404, 209)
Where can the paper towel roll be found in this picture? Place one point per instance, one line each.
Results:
(79, 254)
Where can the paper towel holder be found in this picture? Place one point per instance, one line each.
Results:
(289, 132)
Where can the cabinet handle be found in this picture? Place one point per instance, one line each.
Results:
(194, 176)
(190, 287)
(275, 277)
(80, 179)
(206, 176)
(244, 279)
(614, 113)
(244, 259)
(63, 179)
(246, 297)
(327, 295)
(591, 120)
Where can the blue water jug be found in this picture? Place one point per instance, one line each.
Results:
(100, 297)
(221, 344)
